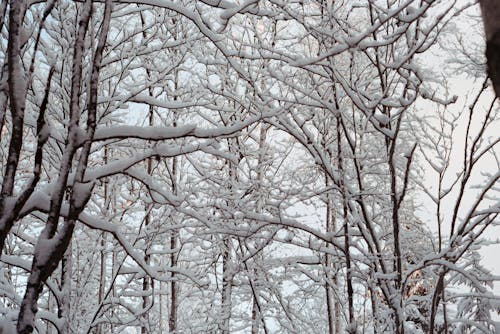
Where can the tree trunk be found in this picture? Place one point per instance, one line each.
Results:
(332, 309)
(66, 277)
(226, 287)
(491, 19)
(347, 241)
(172, 318)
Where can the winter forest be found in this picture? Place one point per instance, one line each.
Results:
(249, 166)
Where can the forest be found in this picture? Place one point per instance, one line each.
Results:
(249, 166)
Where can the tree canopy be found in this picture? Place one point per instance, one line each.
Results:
(254, 166)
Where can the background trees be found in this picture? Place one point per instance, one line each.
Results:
(214, 167)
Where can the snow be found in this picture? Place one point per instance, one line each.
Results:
(81, 193)
(44, 250)
(270, 131)
(44, 133)
(7, 327)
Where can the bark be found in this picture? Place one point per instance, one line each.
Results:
(4, 99)
(255, 316)
(330, 308)
(435, 302)
(491, 19)
(374, 307)
(66, 275)
(16, 94)
(333, 309)
(172, 319)
(347, 241)
(398, 302)
(226, 287)
(103, 266)
(256, 308)
(146, 281)
(102, 273)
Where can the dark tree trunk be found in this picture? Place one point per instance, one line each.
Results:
(491, 18)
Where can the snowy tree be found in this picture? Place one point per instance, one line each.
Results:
(76, 75)
(244, 167)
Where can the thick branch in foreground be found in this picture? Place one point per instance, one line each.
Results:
(50, 247)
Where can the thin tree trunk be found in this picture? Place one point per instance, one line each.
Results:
(332, 310)
(395, 203)
(347, 241)
(102, 277)
(114, 270)
(172, 320)
(226, 287)
(147, 281)
(66, 277)
(374, 310)
(435, 302)
(255, 316)
(102, 273)
(260, 179)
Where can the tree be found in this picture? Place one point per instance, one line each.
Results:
(72, 95)
(256, 166)
(491, 12)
